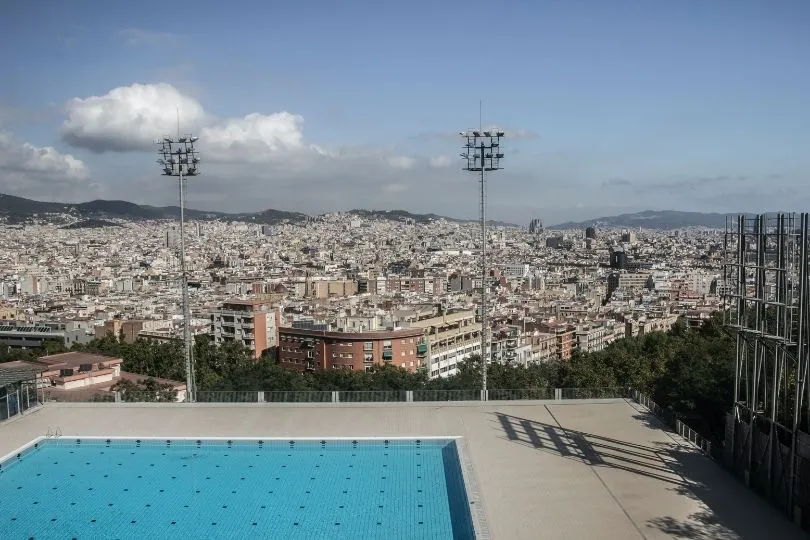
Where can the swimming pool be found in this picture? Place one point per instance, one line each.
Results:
(239, 488)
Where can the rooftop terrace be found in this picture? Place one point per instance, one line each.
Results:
(595, 469)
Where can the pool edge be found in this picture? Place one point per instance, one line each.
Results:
(475, 502)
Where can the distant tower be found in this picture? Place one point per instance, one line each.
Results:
(618, 259)
(590, 232)
(171, 238)
(628, 236)
(536, 226)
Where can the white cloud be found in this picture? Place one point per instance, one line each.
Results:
(129, 117)
(22, 161)
(401, 162)
(439, 162)
(255, 138)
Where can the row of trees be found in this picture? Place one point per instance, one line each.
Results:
(687, 371)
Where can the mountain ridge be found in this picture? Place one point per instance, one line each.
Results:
(19, 209)
(654, 219)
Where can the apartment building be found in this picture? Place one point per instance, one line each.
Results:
(332, 288)
(253, 323)
(129, 329)
(563, 337)
(542, 346)
(309, 350)
(598, 335)
(448, 339)
(504, 342)
(645, 325)
(628, 281)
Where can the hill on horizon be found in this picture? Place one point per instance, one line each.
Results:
(19, 209)
(653, 219)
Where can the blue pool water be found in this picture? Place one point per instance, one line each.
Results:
(101, 488)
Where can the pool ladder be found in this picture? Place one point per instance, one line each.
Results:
(55, 434)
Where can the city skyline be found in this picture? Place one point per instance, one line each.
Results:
(607, 109)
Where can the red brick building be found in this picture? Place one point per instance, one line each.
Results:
(304, 350)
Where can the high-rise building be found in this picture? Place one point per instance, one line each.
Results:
(590, 232)
(618, 259)
(172, 238)
(628, 236)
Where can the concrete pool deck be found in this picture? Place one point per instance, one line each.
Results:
(580, 469)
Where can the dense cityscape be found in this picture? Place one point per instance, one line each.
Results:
(405, 271)
(405, 293)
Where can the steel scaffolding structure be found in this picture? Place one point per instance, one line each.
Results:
(767, 295)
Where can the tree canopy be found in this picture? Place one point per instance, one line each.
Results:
(689, 372)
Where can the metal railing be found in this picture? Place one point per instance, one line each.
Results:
(669, 419)
(509, 394)
(12, 405)
(447, 395)
(693, 437)
(597, 393)
(371, 396)
(64, 396)
(18, 401)
(286, 396)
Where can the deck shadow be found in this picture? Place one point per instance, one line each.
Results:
(730, 511)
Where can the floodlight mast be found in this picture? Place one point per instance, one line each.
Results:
(482, 153)
(179, 158)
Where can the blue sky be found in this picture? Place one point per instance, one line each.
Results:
(614, 106)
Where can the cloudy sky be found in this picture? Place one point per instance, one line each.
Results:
(317, 106)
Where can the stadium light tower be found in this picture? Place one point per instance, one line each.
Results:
(482, 153)
(179, 158)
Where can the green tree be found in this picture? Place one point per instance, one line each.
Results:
(145, 390)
